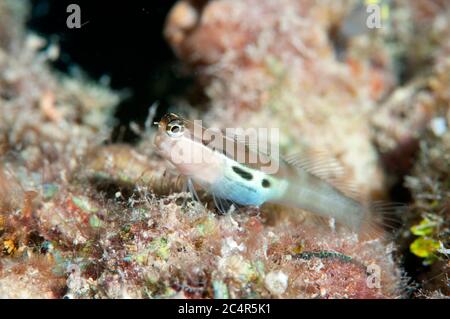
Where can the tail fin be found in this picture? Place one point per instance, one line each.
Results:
(381, 220)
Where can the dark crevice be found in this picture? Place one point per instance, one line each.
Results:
(122, 41)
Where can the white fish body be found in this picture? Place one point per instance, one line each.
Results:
(249, 184)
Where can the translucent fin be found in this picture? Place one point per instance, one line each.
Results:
(244, 139)
(254, 142)
(326, 167)
(221, 204)
(191, 189)
(381, 220)
(224, 206)
(316, 162)
(184, 190)
(217, 204)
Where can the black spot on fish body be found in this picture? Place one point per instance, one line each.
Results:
(242, 173)
(265, 183)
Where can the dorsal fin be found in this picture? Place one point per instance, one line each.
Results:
(262, 144)
(325, 166)
(318, 163)
(249, 141)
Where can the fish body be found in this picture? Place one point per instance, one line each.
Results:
(227, 174)
(208, 161)
(247, 186)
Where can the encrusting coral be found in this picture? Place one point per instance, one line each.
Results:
(81, 219)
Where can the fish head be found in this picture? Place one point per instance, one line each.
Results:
(179, 141)
(172, 125)
(171, 128)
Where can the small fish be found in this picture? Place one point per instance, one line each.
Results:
(209, 162)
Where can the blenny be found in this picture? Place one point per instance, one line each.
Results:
(220, 164)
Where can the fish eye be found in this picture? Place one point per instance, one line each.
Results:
(175, 128)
